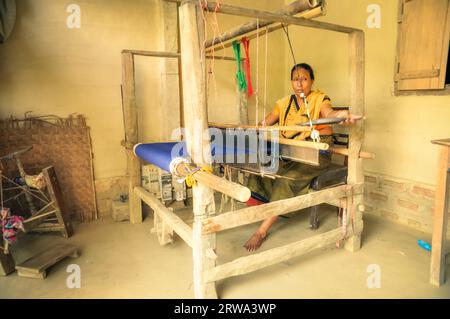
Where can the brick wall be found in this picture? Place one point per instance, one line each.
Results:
(108, 190)
(401, 201)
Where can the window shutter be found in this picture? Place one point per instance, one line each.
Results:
(423, 43)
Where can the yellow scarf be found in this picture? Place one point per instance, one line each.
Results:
(289, 115)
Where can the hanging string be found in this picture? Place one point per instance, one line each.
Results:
(1, 189)
(216, 30)
(211, 74)
(203, 5)
(257, 74)
(315, 136)
(265, 79)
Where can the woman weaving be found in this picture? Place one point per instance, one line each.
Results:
(291, 110)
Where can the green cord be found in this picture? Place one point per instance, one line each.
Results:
(240, 75)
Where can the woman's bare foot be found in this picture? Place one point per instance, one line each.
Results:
(255, 241)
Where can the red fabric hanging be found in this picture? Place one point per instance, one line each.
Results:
(246, 42)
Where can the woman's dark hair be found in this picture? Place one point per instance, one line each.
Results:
(305, 66)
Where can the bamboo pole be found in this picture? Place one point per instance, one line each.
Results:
(291, 10)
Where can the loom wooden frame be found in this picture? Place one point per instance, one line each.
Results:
(201, 237)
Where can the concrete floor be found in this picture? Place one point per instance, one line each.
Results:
(120, 260)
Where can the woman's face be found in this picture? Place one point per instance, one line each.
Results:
(301, 79)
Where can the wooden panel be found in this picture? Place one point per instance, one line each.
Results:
(40, 262)
(63, 143)
(423, 44)
(419, 74)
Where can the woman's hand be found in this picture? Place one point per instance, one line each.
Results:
(327, 111)
(350, 118)
(271, 119)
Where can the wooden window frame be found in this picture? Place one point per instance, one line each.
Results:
(417, 92)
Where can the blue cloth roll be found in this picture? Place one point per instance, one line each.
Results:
(161, 154)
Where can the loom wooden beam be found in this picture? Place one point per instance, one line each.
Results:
(313, 13)
(440, 218)
(356, 133)
(192, 37)
(176, 55)
(254, 214)
(167, 216)
(291, 10)
(306, 144)
(224, 186)
(260, 128)
(131, 135)
(160, 54)
(264, 15)
(273, 256)
(344, 151)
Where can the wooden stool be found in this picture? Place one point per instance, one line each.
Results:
(36, 266)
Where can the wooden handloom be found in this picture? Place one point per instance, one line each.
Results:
(202, 236)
